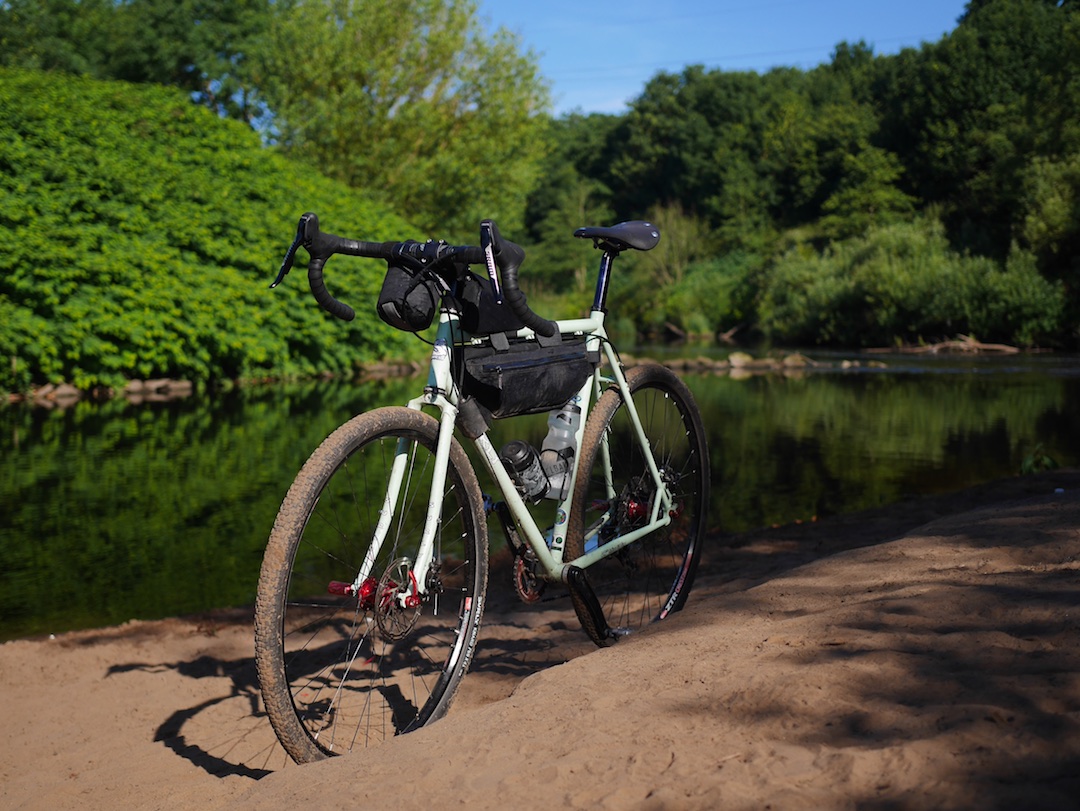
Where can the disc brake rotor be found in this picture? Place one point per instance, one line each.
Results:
(397, 605)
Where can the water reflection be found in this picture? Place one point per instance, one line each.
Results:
(113, 511)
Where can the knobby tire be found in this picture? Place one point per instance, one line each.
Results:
(337, 672)
(652, 577)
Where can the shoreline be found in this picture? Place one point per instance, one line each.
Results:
(738, 364)
(64, 395)
(920, 655)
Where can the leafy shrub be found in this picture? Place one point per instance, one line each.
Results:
(713, 295)
(903, 283)
(142, 234)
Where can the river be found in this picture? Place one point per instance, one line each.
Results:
(112, 511)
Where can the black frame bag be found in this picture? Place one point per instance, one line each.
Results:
(526, 377)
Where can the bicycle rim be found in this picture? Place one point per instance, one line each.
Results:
(650, 578)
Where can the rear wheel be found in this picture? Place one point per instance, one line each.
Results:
(345, 664)
(651, 577)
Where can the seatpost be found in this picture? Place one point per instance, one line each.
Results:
(604, 280)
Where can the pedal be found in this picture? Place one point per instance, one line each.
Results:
(589, 612)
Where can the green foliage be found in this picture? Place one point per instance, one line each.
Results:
(681, 282)
(142, 233)
(435, 115)
(1051, 225)
(558, 262)
(980, 130)
(565, 197)
(197, 45)
(711, 297)
(968, 114)
(1037, 461)
(903, 282)
(867, 195)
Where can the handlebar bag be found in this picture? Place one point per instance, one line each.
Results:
(409, 298)
(479, 313)
(526, 378)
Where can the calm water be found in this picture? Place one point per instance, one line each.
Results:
(116, 511)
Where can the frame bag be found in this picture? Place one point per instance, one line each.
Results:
(525, 376)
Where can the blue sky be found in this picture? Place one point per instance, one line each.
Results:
(598, 54)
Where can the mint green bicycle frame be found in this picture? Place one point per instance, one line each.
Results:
(442, 394)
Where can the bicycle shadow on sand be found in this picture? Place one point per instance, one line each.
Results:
(226, 732)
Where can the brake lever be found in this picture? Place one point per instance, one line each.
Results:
(487, 243)
(306, 230)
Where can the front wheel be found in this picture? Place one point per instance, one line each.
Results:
(346, 661)
(615, 493)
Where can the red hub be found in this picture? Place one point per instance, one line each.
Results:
(365, 595)
(637, 511)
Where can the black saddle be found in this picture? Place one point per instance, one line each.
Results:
(636, 234)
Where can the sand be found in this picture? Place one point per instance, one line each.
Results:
(920, 656)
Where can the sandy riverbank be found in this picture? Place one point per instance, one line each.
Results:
(920, 656)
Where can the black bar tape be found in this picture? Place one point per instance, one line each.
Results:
(336, 308)
(508, 257)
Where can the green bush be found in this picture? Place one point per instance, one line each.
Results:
(712, 295)
(142, 233)
(902, 283)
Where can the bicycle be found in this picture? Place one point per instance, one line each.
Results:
(373, 582)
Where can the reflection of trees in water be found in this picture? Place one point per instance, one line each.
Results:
(164, 508)
(787, 449)
(154, 510)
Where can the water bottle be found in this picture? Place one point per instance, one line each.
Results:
(522, 462)
(557, 452)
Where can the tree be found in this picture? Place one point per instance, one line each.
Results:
(867, 195)
(410, 100)
(64, 35)
(966, 114)
(1052, 217)
(557, 261)
(197, 45)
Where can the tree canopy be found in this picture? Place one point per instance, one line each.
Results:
(409, 100)
(871, 199)
(978, 132)
(437, 117)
